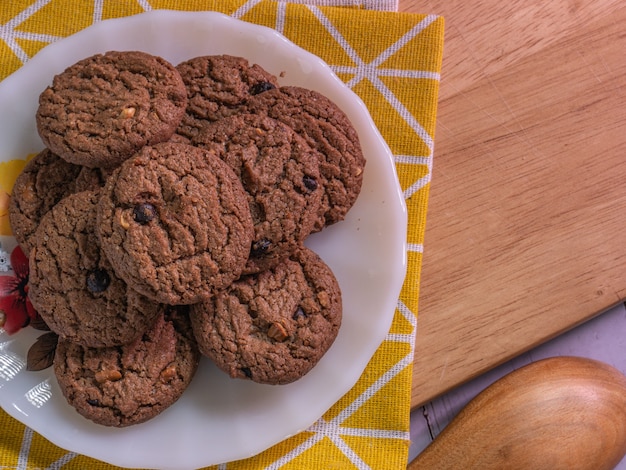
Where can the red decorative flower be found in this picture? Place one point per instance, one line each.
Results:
(16, 311)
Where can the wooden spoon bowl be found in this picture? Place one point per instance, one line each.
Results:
(558, 413)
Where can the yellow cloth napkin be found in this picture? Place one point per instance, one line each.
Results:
(392, 61)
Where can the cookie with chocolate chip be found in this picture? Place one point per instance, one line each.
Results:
(216, 86)
(104, 108)
(125, 385)
(280, 173)
(72, 284)
(272, 327)
(175, 224)
(326, 128)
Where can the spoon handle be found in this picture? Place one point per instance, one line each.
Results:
(557, 413)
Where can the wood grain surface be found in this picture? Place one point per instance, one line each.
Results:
(527, 210)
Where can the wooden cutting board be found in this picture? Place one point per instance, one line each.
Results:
(526, 226)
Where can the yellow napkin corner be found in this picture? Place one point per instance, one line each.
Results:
(392, 61)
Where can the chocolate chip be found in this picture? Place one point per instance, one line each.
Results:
(309, 182)
(252, 312)
(260, 247)
(98, 280)
(260, 87)
(93, 402)
(247, 372)
(299, 313)
(144, 213)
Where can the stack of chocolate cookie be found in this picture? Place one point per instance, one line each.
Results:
(165, 220)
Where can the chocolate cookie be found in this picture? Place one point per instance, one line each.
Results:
(175, 223)
(126, 385)
(104, 108)
(326, 128)
(72, 284)
(91, 178)
(44, 181)
(274, 326)
(280, 173)
(216, 86)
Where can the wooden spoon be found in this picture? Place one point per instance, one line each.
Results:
(558, 413)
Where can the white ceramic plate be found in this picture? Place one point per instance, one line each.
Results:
(219, 419)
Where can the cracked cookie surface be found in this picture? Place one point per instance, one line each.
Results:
(327, 129)
(274, 326)
(72, 284)
(280, 173)
(45, 180)
(104, 108)
(175, 224)
(216, 85)
(126, 385)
